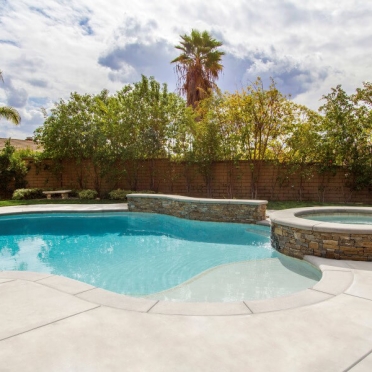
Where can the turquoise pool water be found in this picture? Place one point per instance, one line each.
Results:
(347, 218)
(135, 254)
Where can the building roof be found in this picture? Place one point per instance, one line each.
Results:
(21, 144)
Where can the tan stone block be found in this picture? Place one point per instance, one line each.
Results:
(347, 243)
(365, 244)
(349, 252)
(329, 246)
(314, 245)
(345, 247)
(309, 237)
(330, 254)
(343, 237)
(326, 237)
(330, 242)
(278, 231)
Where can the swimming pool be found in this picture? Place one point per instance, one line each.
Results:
(143, 254)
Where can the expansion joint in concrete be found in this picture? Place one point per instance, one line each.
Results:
(46, 324)
(358, 361)
(152, 306)
(248, 307)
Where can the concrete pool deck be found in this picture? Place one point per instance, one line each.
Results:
(51, 323)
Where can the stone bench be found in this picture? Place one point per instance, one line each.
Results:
(203, 209)
(63, 193)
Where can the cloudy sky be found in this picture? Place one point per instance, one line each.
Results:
(50, 48)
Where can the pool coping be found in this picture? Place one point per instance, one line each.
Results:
(337, 277)
(189, 199)
(291, 218)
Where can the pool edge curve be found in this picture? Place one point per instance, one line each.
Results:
(336, 279)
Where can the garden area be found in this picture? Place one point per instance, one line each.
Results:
(256, 143)
(252, 144)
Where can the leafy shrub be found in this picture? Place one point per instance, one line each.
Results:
(73, 193)
(13, 170)
(119, 194)
(23, 194)
(88, 194)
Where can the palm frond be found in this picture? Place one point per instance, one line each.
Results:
(198, 66)
(11, 114)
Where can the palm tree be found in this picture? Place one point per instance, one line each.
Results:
(9, 113)
(198, 66)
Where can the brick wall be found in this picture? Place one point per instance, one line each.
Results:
(227, 181)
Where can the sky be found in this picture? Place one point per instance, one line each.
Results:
(50, 48)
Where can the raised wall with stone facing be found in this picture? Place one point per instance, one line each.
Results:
(298, 243)
(218, 210)
(298, 237)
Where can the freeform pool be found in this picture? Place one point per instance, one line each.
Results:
(144, 254)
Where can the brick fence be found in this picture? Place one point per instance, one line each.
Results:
(227, 180)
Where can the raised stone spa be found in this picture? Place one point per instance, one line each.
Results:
(217, 210)
(293, 234)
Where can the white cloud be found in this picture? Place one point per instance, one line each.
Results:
(123, 74)
(51, 48)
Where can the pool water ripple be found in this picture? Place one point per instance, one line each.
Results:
(346, 218)
(134, 254)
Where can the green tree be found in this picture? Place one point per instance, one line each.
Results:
(76, 130)
(149, 123)
(107, 136)
(9, 113)
(198, 66)
(259, 115)
(217, 136)
(207, 139)
(300, 152)
(364, 95)
(346, 134)
(13, 170)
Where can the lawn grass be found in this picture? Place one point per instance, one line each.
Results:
(275, 205)
(10, 203)
(278, 205)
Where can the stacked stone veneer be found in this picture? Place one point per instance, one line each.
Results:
(224, 210)
(297, 242)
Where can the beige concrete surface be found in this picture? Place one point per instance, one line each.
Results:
(107, 298)
(302, 298)
(27, 305)
(364, 365)
(47, 329)
(334, 282)
(65, 284)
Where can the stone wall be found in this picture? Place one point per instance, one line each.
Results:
(244, 211)
(298, 242)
